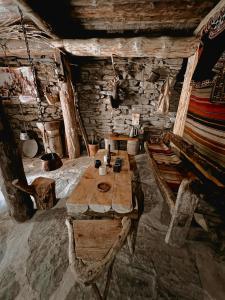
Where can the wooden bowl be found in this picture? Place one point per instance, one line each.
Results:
(103, 187)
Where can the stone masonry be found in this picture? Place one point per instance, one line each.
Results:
(136, 93)
(47, 80)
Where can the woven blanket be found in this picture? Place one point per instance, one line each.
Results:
(172, 176)
(168, 163)
(205, 126)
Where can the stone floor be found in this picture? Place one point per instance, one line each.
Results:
(34, 261)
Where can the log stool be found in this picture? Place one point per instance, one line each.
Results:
(42, 189)
(93, 245)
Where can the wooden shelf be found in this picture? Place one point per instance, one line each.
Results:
(120, 137)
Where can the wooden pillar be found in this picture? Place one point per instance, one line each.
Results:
(185, 96)
(186, 202)
(69, 113)
(19, 203)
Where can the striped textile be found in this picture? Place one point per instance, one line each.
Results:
(163, 155)
(168, 163)
(205, 126)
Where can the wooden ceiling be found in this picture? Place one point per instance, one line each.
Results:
(98, 18)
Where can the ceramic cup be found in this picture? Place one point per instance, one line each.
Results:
(97, 163)
(102, 170)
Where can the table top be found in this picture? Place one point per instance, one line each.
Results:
(86, 197)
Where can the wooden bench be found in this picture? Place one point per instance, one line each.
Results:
(93, 246)
(183, 177)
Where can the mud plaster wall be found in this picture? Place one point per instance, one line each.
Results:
(46, 78)
(136, 93)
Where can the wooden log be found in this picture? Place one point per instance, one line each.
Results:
(159, 47)
(68, 111)
(186, 202)
(185, 95)
(19, 203)
(18, 48)
(209, 16)
(42, 189)
(28, 11)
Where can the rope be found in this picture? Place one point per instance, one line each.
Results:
(30, 60)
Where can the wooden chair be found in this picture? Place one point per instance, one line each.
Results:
(93, 245)
(42, 189)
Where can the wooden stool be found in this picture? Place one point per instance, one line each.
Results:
(93, 245)
(42, 189)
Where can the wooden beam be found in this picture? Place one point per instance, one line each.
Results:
(19, 203)
(185, 96)
(159, 47)
(41, 24)
(68, 111)
(210, 15)
(162, 47)
(18, 48)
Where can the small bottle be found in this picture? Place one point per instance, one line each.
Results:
(108, 157)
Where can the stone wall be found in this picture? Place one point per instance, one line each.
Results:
(136, 93)
(47, 80)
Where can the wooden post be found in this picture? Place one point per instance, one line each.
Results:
(186, 203)
(69, 113)
(19, 203)
(185, 96)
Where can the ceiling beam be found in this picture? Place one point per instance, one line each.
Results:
(162, 47)
(18, 48)
(33, 16)
(210, 15)
(159, 47)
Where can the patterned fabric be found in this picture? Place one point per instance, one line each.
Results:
(168, 163)
(163, 155)
(205, 126)
(216, 24)
(172, 176)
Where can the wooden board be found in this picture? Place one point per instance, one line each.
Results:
(94, 238)
(87, 197)
(120, 137)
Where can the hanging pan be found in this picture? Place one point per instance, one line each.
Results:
(51, 161)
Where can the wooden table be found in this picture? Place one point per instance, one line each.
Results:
(87, 199)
